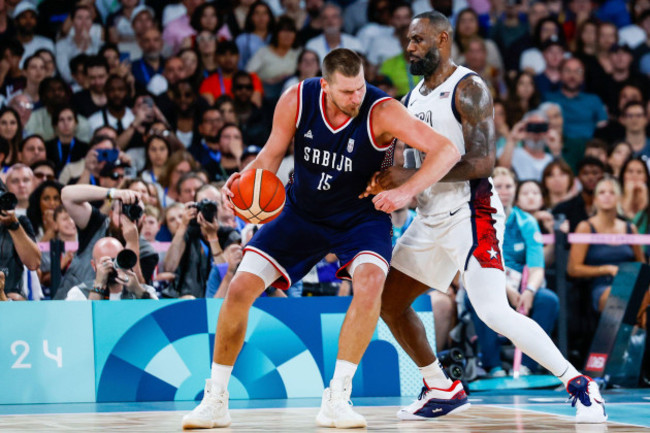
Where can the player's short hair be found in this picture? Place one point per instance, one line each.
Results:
(341, 60)
(437, 20)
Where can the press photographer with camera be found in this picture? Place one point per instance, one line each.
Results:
(121, 223)
(18, 246)
(199, 242)
(540, 146)
(114, 276)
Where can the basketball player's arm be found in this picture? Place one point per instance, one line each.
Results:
(282, 132)
(391, 119)
(474, 104)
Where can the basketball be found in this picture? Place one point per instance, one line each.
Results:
(259, 196)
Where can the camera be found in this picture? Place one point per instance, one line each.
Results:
(8, 201)
(207, 208)
(537, 127)
(126, 259)
(108, 155)
(132, 211)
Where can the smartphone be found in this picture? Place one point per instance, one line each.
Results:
(107, 155)
(537, 127)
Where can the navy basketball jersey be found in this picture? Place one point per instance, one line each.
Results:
(332, 167)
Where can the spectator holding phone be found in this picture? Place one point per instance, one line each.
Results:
(86, 171)
(65, 148)
(121, 223)
(529, 161)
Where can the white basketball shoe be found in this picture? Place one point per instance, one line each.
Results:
(212, 412)
(435, 402)
(589, 404)
(336, 408)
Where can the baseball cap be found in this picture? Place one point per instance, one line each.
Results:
(139, 9)
(107, 170)
(620, 47)
(251, 150)
(24, 6)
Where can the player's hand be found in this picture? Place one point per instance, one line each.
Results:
(391, 200)
(525, 302)
(392, 177)
(226, 193)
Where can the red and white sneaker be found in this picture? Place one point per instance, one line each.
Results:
(434, 402)
(589, 404)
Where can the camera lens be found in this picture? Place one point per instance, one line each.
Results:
(8, 200)
(126, 259)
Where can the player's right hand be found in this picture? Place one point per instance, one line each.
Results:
(226, 193)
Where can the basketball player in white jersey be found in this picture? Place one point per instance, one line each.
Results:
(459, 226)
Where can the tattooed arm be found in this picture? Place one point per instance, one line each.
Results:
(474, 104)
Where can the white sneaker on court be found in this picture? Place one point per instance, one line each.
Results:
(589, 404)
(212, 412)
(434, 403)
(336, 408)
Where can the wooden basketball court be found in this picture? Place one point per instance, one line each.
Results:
(540, 411)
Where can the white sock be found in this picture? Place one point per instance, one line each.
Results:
(343, 369)
(435, 376)
(568, 374)
(220, 376)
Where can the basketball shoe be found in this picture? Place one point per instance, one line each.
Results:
(589, 404)
(212, 412)
(434, 402)
(336, 408)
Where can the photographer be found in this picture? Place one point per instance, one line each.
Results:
(121, 223)
(114, 277)
(18, 246)
(198, 243)
(528, 161)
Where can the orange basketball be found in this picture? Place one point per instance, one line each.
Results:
(259, 196)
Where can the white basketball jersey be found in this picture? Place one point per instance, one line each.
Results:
(436, 110)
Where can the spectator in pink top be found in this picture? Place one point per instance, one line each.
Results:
(179, 29)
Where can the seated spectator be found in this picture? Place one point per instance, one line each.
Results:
(332, 36)
(231, 146)
(25, 17)
(11, 130)
(179, 29)
(614, 130)
(206, 46)
(93, 226)
(600, 262)
(64, 148)
(308, 67)
(578, 208)
(23, 107)
(621, 75)
(34, 70)
(197, 244)
(500, 125)
(597, 148)
(110, 281)
(389, 42)
(529, 161)
(635, 183)
(19, 251)
(79, 81)
(254, 122)
(220, 83)
(599, 66)
(633, 34)
(43, 170)
(121, 25)
(207, 18)
(187, 186)
(532, 59)
(20, 182)
(12, 79)
(54, 92)
(549, 79)
(226, 107)
(42, 202)
(582, 112)
(31, 150)
(522, 97)
(522, 253)
(189, 107)
(157, 153)
(275, 62)
(642, 52)
(557, 183)
(467, 27)
(179, 163)
(258, 28)
(151, 63)
(93, 99)
(82, 41)
(48, 57)
(64, 231)
(634, 119)
(150, 223)
(116, 113)
(618, 154)
(476, 60)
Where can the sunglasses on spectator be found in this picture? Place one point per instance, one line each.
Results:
(243, 87)
(116, 176)
(44, 176)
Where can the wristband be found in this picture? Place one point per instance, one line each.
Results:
(102, 292)
(110, 193)
(532, 289)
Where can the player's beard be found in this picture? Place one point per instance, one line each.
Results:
(427, 65)
(351, 112)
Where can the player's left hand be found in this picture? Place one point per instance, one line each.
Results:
(392, 177)
(392, 200)
(526, 302)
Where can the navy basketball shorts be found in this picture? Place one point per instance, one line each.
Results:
(293, 245)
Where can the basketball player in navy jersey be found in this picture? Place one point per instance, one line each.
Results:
(459, 226)
(343, 131)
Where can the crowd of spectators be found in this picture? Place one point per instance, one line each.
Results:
(120, 122)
